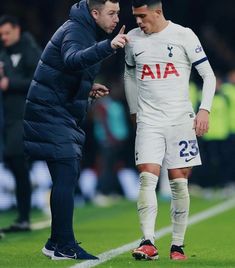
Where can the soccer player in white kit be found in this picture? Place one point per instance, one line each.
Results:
(159, 58)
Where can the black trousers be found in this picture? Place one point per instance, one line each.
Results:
(64, 174)
(20, 169)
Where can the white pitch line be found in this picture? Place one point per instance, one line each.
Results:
(41, 225)
(108, 255)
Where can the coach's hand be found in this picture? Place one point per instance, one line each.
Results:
(98, 91)
(120, 40)
(201, 122)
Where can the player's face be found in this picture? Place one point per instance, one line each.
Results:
(146, 18)
(107, 16)
(9, 34)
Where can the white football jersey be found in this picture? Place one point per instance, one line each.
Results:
(163, 64)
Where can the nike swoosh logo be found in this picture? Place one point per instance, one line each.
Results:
(137, 54)
(189, 159)
(180, 212)
(74, 256)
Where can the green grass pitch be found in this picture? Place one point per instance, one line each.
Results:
(209, 243)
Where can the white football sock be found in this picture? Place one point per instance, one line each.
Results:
(147, 204)
(179, 209)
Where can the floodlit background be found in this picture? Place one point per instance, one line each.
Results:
(108, 164)
(105, 215)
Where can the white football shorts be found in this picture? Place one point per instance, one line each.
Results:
(176, 144)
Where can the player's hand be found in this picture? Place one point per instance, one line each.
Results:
(98, 91)
(120, 40)
(201, 122)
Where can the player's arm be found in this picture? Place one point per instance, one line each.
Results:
(208, 91)
(200, 61)
(130, 82)
(131, 89)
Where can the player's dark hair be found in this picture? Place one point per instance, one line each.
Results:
(98, 3)
(140, 3)
(9, 19)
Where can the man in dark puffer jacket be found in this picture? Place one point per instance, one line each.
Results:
(57, 103)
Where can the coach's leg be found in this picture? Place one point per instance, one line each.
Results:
(64, 175)
(147, 201)
(179, 204)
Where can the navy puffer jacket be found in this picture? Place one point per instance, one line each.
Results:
(57, 100)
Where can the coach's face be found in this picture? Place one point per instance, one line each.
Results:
(107, 16)
(147, 18)
(10, 34)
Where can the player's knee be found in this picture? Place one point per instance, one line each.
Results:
(148, 181)
(179, 173)
(179, 188)
(151, 168)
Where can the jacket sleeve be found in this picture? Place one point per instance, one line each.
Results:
(20, 82)
(77, 56)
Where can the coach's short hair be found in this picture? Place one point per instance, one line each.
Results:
(98, 3)
(9, 19)
(140, 3)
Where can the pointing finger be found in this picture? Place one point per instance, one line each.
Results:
(122, 30)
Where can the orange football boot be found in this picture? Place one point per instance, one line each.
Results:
(177, 253)
(146, 251)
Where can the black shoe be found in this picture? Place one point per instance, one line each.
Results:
(72, 251)
(17, 227)
(49, 248)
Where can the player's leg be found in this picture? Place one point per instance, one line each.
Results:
(147, 200)
(147, 210)
(182, 153)
(148, 160)
(179, 210)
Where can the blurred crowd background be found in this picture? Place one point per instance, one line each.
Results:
(108, 164)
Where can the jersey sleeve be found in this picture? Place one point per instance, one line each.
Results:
(129, 56)
(194, 48)
(199, 60)
(131, 90)
(130, 82)
(209, 84)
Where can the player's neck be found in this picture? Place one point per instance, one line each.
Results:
(161, 25)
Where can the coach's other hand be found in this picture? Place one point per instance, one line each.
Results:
(98, 91)
(120, 40)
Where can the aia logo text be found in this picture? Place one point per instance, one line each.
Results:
(159, 72)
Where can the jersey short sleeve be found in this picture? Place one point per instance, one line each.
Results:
(194, 48)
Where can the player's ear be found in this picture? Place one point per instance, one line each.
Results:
(158, 12)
